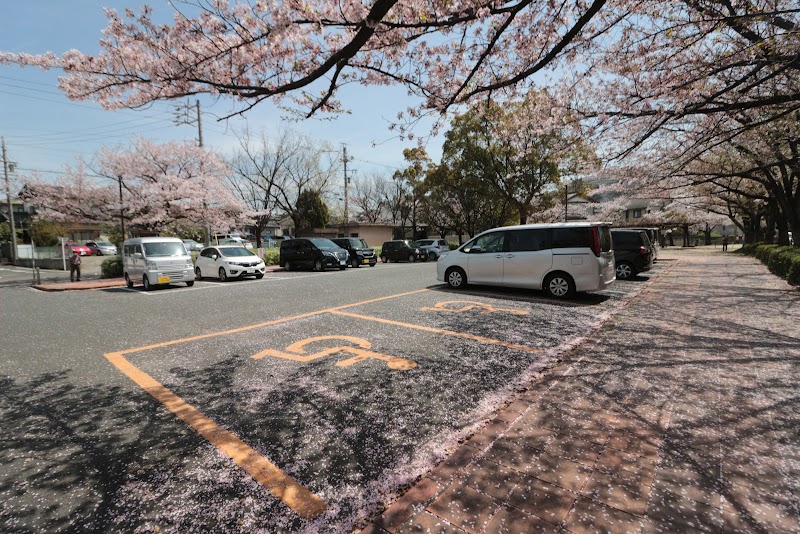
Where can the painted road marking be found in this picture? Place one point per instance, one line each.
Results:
(440, 331)
(468, 305)
(303, 502)
(288, 490)
(292, 493)
(296, 352)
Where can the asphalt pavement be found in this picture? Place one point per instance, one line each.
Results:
(326, 402)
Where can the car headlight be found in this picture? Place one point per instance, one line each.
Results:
(327, 253)
(189, 263)
(151, 265)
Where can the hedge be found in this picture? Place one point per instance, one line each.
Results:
(782, 261)
(111, 267)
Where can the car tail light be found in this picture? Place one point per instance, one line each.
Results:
(595, 241)
(642, 250)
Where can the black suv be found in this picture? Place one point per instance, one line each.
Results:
(360, 253)
(314, 252)
(633, 252)
(401, 250)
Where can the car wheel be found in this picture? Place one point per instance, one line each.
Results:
(146, 283)
(318, 266)
(432, 256)
(456, 277)
(624, 271)
(259, 276)
(355, 263)
(288, 266)
(197, 273)
(128, 281)
(190, 284)
(411, 258)
(223, 276)
(384, 259)
(559, 285)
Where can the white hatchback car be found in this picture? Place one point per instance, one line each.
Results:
(228, 261)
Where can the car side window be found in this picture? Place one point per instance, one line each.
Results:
(527, 240)
(571, 237)
(488, 243)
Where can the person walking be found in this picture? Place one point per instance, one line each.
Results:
(75, 266)
(725, 244)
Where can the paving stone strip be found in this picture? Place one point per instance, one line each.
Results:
(680, 415)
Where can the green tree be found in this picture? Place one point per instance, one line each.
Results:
(46, 233)
(5, 231)
(507, 149)
(310, 211)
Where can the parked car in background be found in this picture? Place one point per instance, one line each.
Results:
(102, 248)
(402, 250)
(228, 261)
(312, 252)
(192, 245)
(633, 252)
(72, 246)
(652, 235)
(155, 261)
(238, 241)
(434, 248)
(560, 259)
(360, 253)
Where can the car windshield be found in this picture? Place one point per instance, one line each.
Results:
(235, 252)
(152, 250)
(103, 244)
(424, 242)
(410, 244)
(358, 243)
(324, 244)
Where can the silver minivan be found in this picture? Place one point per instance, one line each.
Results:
(156, 260)
(560, 259)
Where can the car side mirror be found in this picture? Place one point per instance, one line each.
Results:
(137, 255)
(475, 248)
(213, 256)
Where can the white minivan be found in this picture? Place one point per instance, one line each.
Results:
(156, 260)
(561, 258)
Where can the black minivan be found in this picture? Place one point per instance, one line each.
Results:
(312, 252)
(402, 250)
(633, 252)
(360, 252)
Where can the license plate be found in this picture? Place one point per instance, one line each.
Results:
(342, 263)
(250, 271)
(163, 279)
(366, 260)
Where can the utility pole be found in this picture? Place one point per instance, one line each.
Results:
(346, 194)
(182, 117)
(10, 205)
(121, 209)
(566, 200)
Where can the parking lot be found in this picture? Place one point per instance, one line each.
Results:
(297, 402)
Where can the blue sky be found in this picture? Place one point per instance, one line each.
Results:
(43, 130)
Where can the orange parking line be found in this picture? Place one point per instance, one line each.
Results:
(440, 331)
(303, 502)
(261, 325)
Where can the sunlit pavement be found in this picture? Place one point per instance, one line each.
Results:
(680, 415)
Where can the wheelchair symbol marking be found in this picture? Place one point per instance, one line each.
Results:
(468, 305)
(297, 352)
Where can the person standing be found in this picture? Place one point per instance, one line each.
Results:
(75, 266)
(725, 244)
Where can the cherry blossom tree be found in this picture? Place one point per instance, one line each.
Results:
(176, 184)
(656, 59)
